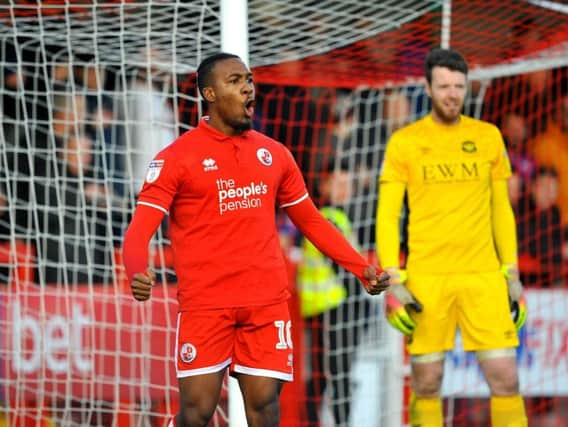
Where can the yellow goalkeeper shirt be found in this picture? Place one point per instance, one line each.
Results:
(447, 171)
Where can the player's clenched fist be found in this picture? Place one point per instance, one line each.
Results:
(375, 284)
(141, 285)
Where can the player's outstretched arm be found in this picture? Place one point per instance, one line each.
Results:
(144, 224)
(329, 240)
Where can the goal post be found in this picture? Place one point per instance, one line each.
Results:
(234, 39)
(90, 91)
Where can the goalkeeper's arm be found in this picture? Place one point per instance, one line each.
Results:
(389, 205)
(505, 235)
(504, 228)
(397, 298)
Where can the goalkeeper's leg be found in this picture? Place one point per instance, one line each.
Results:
(425, 403)
(487, 328)
(500, 369)
(434, 333)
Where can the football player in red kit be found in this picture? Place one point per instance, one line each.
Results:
(220, 184)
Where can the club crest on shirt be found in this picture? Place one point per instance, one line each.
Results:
(469, 147)
(264, 156)
(187, 352)
(154, 169)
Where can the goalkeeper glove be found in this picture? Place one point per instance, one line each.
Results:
(517, 301)
(399, 301)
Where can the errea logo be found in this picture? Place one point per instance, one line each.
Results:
(209, 165)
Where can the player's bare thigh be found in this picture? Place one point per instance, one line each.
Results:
(199, 394)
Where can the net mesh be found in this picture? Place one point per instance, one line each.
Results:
(91, 91)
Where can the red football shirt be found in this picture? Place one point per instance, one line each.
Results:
(221, 194)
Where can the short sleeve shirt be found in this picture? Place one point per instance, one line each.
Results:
(448, 173)
(221, 194)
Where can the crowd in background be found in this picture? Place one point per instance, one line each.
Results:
(78, 137)
(533, 119)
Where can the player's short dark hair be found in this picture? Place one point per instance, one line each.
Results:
(326, 169)
(333, 164)
(447, 58)
(205, 69)
(544, 170)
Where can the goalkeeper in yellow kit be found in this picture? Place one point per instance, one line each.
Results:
(461, 269)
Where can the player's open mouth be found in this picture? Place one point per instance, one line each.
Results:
(249, 107)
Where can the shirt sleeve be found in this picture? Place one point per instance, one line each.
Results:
(504, 226)
(161, 181)
(501, 167)
(144, 224)
(327, 238)
(387, 236)
(394, 168)
(292, 189)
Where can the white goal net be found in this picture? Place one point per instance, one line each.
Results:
(90, 91)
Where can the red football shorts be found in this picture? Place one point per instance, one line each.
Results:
(253, 341)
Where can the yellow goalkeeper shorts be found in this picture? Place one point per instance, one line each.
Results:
(477, 303)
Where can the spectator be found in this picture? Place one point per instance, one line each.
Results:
(515, 133)
(551, 149)
(541, 233)
(77, 245)
(109, 162)
(20, 153)
(396, 111)
(74, 245)
(149, 116)
(527, 94)
(102, 125)
(14, 79)
(360, 137)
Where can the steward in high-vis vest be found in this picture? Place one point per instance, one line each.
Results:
(319, 286)
(333, 306)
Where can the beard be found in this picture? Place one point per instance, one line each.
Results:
(242, 125)
(448, 117)
(246, 125)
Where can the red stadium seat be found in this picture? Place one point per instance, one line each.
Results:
(19, 258)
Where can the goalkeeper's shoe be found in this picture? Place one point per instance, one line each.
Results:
(399, 302)
(517, 302)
